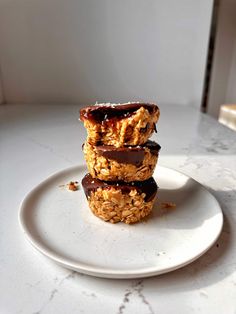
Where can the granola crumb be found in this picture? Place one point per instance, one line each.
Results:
(73, 186)
(168, 205)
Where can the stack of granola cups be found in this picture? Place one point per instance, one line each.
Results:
(120, 160)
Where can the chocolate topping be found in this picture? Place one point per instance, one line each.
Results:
(149, 187)
(153, 146)
(128, 154)
(123, 155)
(105, 112)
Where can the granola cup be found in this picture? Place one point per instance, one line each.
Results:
(132, 163)
(119, 125)
(118, 201)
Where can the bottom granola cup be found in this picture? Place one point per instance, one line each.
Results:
(120, 201)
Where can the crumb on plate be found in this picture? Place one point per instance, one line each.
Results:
(167, 205)
(73, 186)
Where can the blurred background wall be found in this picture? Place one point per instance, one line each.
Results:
(223, 76)
(1, 90)
(81, 51)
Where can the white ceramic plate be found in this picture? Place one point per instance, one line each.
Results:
(60, 225)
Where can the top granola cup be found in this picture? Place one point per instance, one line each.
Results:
(119, 125)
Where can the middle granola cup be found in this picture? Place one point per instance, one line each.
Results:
(129, 163)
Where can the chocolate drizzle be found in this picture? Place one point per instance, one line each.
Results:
(153, 146)
(106, 112)
(149, 187)
(128, 154)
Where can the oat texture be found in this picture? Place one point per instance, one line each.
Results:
(111, 170)
(133, 130)
(112, 205)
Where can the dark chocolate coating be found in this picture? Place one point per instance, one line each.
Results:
(128, 154)
(106, 112)
(149, 187)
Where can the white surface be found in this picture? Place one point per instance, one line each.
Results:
(36, 141)
(60, 225)
(86, 51)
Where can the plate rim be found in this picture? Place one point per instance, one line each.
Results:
(99, 271)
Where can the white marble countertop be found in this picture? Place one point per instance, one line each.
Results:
(36, 141)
